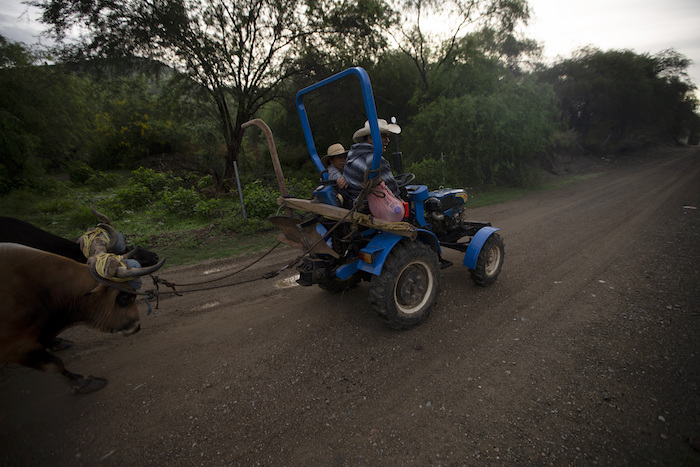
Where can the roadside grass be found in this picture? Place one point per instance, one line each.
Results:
(188, 248)
(63, 209)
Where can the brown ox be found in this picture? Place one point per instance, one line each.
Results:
(41, 294)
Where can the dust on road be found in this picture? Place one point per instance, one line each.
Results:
(584, 351)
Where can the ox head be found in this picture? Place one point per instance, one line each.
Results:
(144, 257)
(116, 243)
(112, 310)
(113, 300)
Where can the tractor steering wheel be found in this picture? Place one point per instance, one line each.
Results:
(404, 179)
(328, 183)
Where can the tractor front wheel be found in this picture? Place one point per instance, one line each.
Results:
(489, 262)
(408, 286)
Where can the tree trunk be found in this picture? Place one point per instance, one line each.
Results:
(233, 134)
(233, 147)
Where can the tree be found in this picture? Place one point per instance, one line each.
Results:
(241, 52)
(624, 99)
(132, 122)
(45, 115)
(493, 137)
(675, 93)
(431, 29)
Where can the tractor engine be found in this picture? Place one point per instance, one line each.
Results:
(443, 210)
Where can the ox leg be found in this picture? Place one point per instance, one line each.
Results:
(42, 360)
(84, 384)
(57, 344)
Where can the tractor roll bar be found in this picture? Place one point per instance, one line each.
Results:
(370, 110)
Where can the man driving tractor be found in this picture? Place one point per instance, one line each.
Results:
(360, 156)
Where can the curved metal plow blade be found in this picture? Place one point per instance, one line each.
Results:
(300, 236)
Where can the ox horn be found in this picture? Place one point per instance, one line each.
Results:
(124, 273)
(104, 219)
(95, 275)
(113, 236)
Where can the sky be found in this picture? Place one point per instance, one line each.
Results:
(561, 26)
(643, 26)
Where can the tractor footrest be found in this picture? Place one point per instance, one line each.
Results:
(445, 263)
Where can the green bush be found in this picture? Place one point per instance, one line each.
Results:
(101, 181)
(81, 216)
(488, 139)
(300, 188)
(209, 208)
(6, 185)
(206, 181)
(156, 182)
(130, 197)
(181, 201)
(46, 186)
(57, 205)
(260, 201)
(79, 172)
(432, 173)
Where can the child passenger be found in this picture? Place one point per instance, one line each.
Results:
(334, 160)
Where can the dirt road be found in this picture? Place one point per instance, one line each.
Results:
(585, 351)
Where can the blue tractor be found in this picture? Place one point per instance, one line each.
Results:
(401, 260)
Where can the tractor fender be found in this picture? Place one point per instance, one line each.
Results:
(379, 248)
(429, 238)
(475, 245)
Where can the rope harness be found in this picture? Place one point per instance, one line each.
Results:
(89, 237)
(101, 266)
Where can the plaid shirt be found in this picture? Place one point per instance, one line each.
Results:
(358, 161)
(333, 172)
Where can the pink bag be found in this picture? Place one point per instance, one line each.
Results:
(385, 207)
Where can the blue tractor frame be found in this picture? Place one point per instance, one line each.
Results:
(403, 269)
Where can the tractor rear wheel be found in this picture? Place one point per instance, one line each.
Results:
(408, 286)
